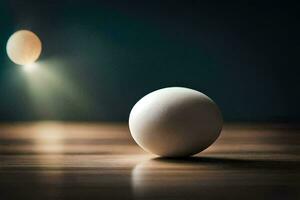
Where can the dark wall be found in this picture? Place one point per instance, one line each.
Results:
(100, 57)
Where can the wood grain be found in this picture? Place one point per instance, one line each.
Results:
(52, 160)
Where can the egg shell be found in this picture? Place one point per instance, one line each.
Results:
(175, 122)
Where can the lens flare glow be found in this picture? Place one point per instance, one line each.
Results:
(50, 88)
(30, 67)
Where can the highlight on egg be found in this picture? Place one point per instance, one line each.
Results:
(175, 122)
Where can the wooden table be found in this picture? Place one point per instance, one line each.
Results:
(50, 160)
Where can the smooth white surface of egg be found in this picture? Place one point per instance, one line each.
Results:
(175, 122)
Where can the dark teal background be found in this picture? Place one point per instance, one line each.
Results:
(243, 54)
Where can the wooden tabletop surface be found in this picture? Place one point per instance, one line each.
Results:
(52, 160)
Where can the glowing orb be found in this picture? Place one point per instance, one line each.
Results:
(24, 47)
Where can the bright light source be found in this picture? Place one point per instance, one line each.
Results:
(24, 47)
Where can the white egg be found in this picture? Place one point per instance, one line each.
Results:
(175, 122)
